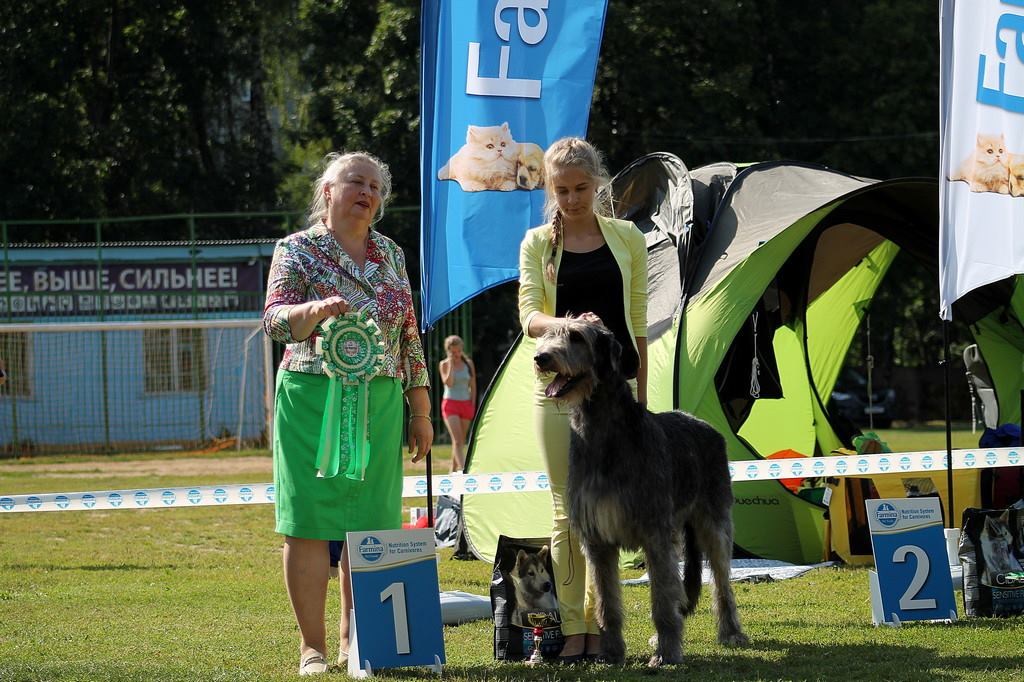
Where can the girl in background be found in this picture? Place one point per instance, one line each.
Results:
(458, 405)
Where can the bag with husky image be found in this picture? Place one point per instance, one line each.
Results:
(522, 597)
(992, 557)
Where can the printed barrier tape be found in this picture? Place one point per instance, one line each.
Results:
(530, 481)
(149, 498)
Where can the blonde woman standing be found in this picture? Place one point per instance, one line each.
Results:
(340, 263)
(587, 265)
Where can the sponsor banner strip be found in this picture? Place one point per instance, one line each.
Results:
(148, 498)
(513, 482)
(929, 461)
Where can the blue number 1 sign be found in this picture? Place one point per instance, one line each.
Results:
(913, 580)
(396, 601)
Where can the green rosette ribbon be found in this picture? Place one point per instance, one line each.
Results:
(352, 349)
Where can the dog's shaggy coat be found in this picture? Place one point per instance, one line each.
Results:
(640, 480)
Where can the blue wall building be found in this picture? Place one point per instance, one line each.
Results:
(198, 374)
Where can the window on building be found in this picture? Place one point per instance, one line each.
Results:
(175, 360)
(15, 356)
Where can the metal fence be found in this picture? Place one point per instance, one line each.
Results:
(36, 288)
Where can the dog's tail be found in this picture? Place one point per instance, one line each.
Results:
(693, 568)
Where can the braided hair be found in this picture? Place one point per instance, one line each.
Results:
(572, 152)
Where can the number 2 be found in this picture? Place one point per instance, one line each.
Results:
(909, 600)
(396, 593)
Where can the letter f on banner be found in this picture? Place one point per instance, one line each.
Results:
(500, 81)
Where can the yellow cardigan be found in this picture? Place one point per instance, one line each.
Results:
(537, 294)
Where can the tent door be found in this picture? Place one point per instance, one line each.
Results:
(750, 370)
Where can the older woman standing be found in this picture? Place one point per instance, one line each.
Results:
(340, 263)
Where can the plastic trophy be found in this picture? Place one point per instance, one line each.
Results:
(538, 621)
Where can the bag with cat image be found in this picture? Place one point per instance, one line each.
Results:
(523, 597)
(992, 557)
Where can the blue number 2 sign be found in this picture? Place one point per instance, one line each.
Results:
(913, 580)
(397, 603)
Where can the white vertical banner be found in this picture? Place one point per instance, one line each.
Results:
(981, 119)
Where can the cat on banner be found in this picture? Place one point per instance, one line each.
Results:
(981, 119)
(500, 81)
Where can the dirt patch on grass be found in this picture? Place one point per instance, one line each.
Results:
(179, 466)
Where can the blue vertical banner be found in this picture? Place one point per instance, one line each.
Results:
(501, 80)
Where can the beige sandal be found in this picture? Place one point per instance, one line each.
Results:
(313, 664)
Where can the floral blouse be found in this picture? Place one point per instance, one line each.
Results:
(310, 265)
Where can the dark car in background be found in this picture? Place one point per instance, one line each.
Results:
(851, 401)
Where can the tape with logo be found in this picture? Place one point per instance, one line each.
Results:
(511, 482)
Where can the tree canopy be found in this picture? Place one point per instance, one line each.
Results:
(133, 107)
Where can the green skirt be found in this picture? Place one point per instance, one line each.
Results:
(327, 508)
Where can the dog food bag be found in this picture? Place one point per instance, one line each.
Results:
(992, 557)
(522, 597)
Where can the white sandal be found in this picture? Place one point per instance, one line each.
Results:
(313, 664)
(342, 658)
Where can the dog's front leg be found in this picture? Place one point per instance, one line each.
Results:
(666, 600)
(604, 562)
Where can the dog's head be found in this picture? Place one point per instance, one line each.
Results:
(581, 355)
(530, 575)
(999, 540)
(530, 166)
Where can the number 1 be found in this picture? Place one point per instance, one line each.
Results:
(396, 593)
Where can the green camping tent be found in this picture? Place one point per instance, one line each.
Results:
(772, 298)
(793, 259)
(1000, 338)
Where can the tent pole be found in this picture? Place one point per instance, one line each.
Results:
(949, 427)
(871, 368)
(430, 491)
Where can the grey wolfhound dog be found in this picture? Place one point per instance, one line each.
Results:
(640, 480)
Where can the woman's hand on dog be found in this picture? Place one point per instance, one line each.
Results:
(590, 317)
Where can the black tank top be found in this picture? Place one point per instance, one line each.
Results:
(592, 282)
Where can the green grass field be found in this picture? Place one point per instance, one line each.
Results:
(197, 594)
(930, 437)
